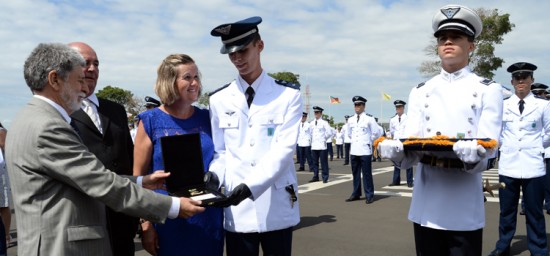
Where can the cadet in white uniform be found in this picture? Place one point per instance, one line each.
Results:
(320, 131)
(521, 163)
(330, 151)
(447, 204)
(347, 140)
(304, 144)
(363, 130)
(540, 90)
(339, 141)
(254, 138)
(397, 125)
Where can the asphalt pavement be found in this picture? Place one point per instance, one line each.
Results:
(331, 226)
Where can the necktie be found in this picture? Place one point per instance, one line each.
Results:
(250, 93)
(89, 109)
(399, 119)
(315, 122)
(521, 107)
(357, 118)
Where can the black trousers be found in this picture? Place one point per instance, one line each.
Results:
(435, 242)
(273, 243)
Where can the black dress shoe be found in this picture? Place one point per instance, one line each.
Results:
(325, 181)
(410, 185)
(314, 180)
(301, 169)
(496, 252)
(346, 163)
(369, 200)
(522, 212)
(352, 198)
(393, 184)
(548, 211)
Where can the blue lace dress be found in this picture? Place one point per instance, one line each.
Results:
(203, 233)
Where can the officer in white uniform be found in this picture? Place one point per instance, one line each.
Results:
(304, 144)
(320, 131)
(397, 125)
(363, 130)
(339, 141)
(255, 123)
(330, 151)
(347, 140)
(447, 203)
(541, 90)
(521, 164)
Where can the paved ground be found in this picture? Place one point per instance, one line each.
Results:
(331, 226)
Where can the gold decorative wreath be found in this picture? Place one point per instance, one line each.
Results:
(439, 140)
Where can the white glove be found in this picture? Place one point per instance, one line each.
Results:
(468, 151)
(391, 149)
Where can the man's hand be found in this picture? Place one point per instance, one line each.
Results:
(239, 193)
(391, 149)
(149, 238)
(211, 181)
(189, 207)
(468, 151)
(155, 180)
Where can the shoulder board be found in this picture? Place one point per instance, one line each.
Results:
(540, 97)
(420, 84)
(487, 81)
(507, 98)
(368, 114)
(287, 84)
(217, 90)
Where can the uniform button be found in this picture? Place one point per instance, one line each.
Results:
(428, 129)
(427, 118)
(251, 143)
(473, 106)
(253, 164)
(470, 119)
(475, 94)
(427, 95)
(250, 125)
(426, 105)
(519, 139)
(521, 118)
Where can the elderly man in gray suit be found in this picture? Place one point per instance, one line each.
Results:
(60, 189)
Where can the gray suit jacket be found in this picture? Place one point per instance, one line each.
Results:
(60, 189)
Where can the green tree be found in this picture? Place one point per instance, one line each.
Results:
(286, 76)
(204, 99)
(483, 60)
(115, 94)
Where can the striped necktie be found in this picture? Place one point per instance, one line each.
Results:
(90, 110)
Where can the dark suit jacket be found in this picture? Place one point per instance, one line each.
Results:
(60, 189)
(115, 149)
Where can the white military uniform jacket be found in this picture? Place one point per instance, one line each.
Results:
(523, 138)
(339, 138)
(332, 134)
(362, 134)
(455, 104)
(320, 131)
(255, 146)
(397, 126)
(304, 136)
(347, 138)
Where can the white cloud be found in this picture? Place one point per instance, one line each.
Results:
(339, 48)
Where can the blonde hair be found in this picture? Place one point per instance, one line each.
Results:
(167, 73)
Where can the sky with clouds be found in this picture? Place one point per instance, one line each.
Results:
(339, 48)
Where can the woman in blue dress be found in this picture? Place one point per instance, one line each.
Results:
(178, 86)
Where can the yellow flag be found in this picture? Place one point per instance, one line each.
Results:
(386, 96)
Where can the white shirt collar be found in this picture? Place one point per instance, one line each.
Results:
(455, 75)
(255, 85)
(58, 107)
(93, 99)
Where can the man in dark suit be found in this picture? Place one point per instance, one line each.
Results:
(109, 139)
